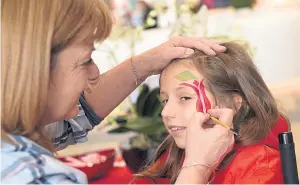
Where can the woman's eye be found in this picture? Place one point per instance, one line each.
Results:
(88, 62)
(184, 98)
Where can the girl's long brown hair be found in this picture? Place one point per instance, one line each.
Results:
(226, 75)
(32, 31)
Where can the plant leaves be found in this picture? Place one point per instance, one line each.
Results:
(146, 125)
(185, 76)
(119, 130)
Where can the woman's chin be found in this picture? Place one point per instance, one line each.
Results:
(72, 114)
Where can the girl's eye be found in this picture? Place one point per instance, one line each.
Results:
(164, 102)
(184, 98)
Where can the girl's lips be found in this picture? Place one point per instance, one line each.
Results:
(176, 129)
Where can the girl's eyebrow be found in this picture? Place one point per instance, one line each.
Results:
(180, 87)
(184, 89)
(163, 93)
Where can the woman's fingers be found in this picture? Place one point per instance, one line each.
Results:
(215, 45)
(192, 43)
(225, 115)
(208, 47)
(179, 52)
(196, 122)
(207, 145)
(200, 118)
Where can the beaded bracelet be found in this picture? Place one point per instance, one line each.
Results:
(136, 76)
(198, 164)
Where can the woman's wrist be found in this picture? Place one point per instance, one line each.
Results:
(142, 67)
(194, 175)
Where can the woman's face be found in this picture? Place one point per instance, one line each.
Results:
(179, 101)
(72, 69)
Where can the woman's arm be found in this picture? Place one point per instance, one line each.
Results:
(113, 87)
(116, 84)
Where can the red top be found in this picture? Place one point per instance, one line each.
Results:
(256, 164)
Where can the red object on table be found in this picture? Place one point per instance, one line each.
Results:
(93, 164)
(115, 176)
(123, 175)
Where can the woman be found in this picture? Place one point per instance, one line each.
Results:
(46, 67)
(228, 80)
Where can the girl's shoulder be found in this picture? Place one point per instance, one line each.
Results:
(257, 151)
(251, 165)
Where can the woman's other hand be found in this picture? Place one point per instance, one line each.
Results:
(155, 59)
(208, 145)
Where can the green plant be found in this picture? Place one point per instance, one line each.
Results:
(243, 3)
(145, 120)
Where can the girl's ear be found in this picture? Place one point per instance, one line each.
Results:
(238, 100)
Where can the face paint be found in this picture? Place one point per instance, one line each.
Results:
(203, 103)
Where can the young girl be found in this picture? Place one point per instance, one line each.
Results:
(227, 80)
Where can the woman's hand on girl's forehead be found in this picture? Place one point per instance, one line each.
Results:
(156, 59)
(209, 47)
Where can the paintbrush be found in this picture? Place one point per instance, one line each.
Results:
(216, 121)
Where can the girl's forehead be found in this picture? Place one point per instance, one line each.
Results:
(169, 78)
(176, 68)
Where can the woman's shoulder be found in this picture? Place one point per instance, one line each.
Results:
(253, 164)
(26, 162)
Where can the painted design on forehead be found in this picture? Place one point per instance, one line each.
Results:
(186, 76)
(203, 103)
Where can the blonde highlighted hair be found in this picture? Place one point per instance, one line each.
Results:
(32, 31)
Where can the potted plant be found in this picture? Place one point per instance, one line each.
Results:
(144, 119)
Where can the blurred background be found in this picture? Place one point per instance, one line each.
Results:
(269, 29)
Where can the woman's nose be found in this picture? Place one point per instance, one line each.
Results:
(93, 73)
(168, 111)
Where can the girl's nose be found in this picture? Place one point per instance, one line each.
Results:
(168, 111)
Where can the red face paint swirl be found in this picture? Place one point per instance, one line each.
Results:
(201, 105)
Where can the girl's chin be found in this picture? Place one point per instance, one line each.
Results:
(180, 145)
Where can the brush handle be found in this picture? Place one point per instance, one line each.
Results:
(216, 121)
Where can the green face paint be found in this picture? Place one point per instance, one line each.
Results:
(186, 76)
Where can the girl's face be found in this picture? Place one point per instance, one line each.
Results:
(179, 101)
